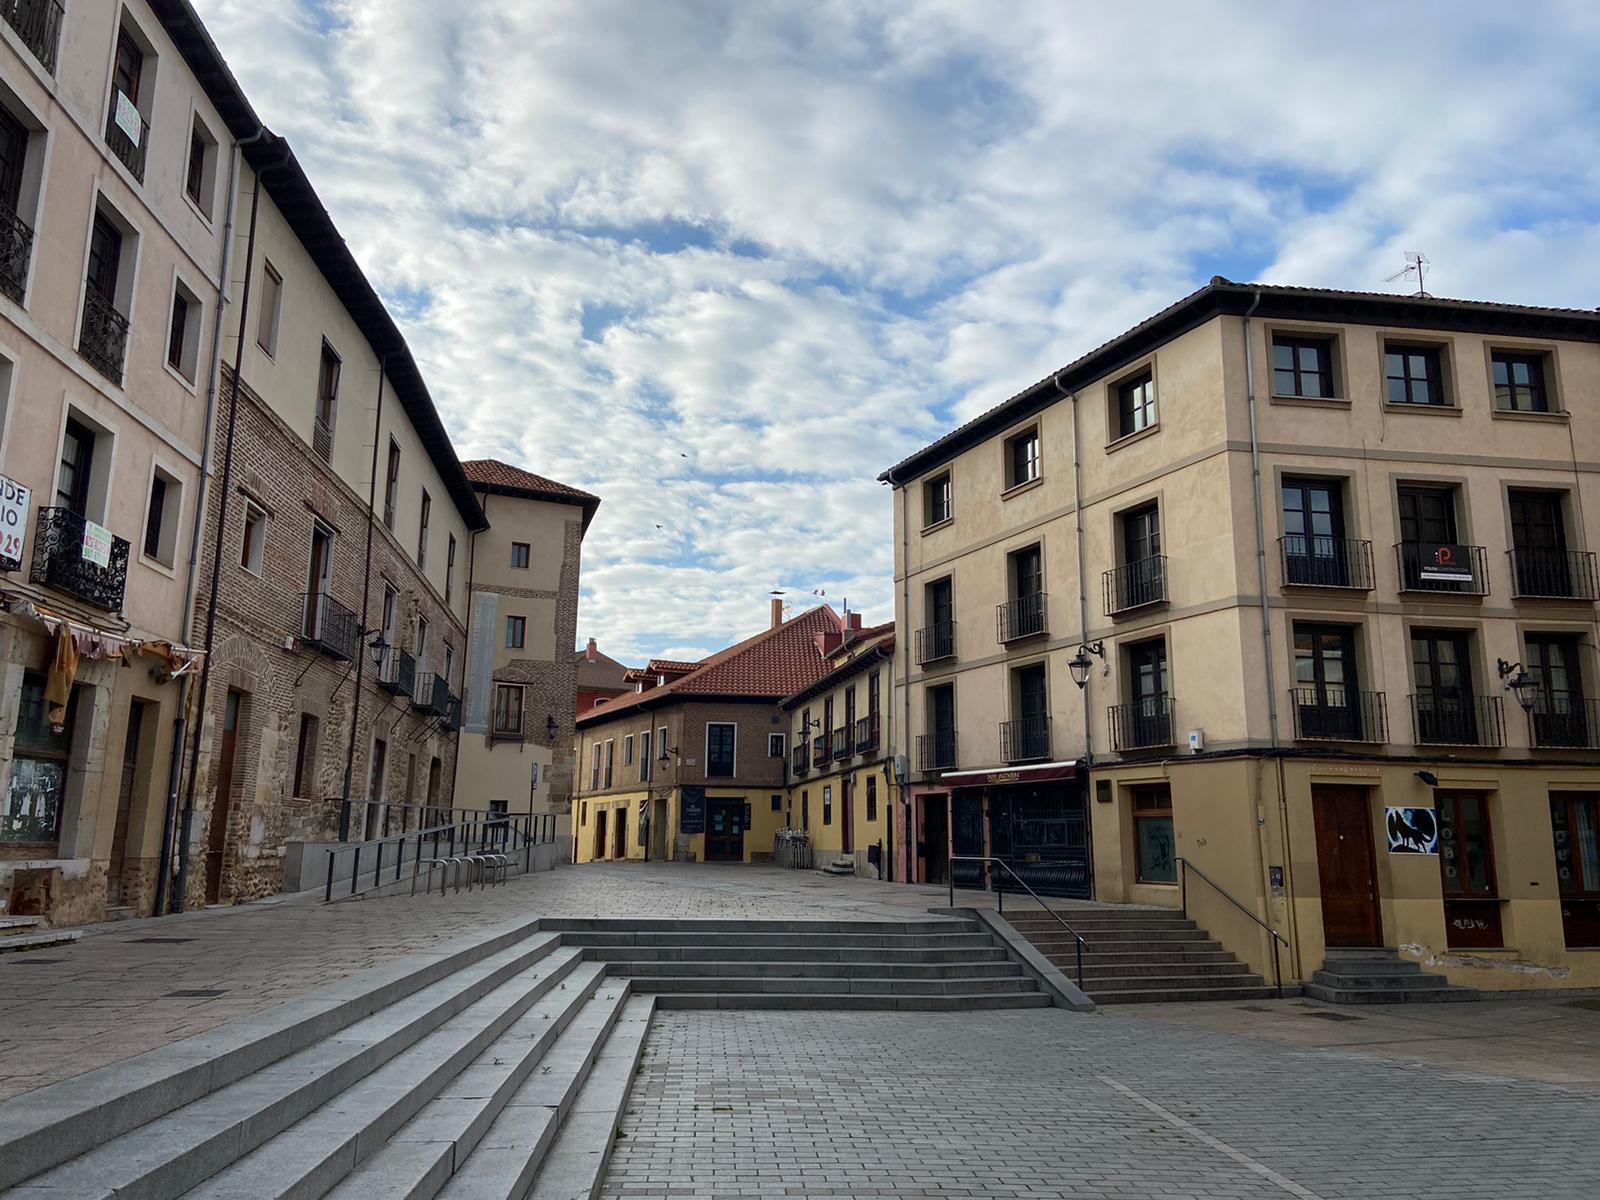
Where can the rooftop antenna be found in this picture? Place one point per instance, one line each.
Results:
(1416, 264)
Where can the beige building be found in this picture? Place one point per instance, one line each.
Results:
(1291, 587)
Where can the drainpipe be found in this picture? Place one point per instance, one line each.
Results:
(903, 636)
(366, 592)
(466, 666)
(175, 767)
(1083, 586)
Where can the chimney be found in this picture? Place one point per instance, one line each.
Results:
(777, 611)
(591, 652)
(854, 620)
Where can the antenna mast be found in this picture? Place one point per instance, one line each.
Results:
(1416, 264)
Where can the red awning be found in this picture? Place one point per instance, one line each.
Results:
(995, 776)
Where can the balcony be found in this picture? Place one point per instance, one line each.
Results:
(1440, 569)
(1326, 562)
(59, 561)
(1332, 714)
(1457, 720)
(429, 694)
(329, 627)
(322, 439)
(452, 709)
(1142, 725)
(1023, 617)
(935, 642)
(1026, 740)
(819, 751)
(104, 337)
(397, 672)
(1136, 585)
(1553, 574)
(840, 743)
(38, 24)
(1565, 723)
(867, 734)
(16, 250)
(801, 759)
(936, 751)
(128, 147)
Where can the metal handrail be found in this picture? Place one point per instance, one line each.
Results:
(517, 834)
(1000, 900)
(1184, 867)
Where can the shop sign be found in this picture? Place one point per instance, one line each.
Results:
(13, 523)
(644, 822)
(692, 811)
(1412, 830)
(128, 118)
(96, 544)
(533, 780)
(1445, 564)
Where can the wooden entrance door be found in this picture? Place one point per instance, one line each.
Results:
(847, 803)
(934, 845)
(622, 833)
(724, 830)
(599, 834)
(222, 802)
(131, 768)
(1345, 867)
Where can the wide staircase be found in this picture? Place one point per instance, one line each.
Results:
(1139, 955)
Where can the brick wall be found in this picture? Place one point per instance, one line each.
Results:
(686, 721)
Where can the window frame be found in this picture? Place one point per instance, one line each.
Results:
(1023, 467)
(449, 567)
(1152, 812)
(1322, 345)
(1538, 389)
(1434, 376)
(733, 750)
(1128, 410)
(524, 551)
(268, 320)
(516, 631)
(165, 524)
(253, 549)
(941, 484)
(779, 740)
(422, 530)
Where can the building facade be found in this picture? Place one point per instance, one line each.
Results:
(599, 676)
(1292, 588)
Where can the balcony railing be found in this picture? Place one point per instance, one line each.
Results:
(322, 439)
(867, 733)
(1326, 562)
(388, 515)
(1452, 570)
(1136, 584)
(936, 641)
(447, 704)
(1553, 574)
(105, 335)
(1144, 724)
(801, 756)
(397, 671)
(425, 694)
(1334, 714)
(840, 739)
(59, 561)
(1021, 618)
(936, 751)
(1564, 722)
(1025, 740)
(1458, 720)
(329, 627)
(16, 250)
(129, 149)
(38, 24)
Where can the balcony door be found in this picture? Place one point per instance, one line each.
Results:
(1326, 689)
(105, 258)
(942, 703)
(1314, 547)
(318, 574)
(77, 468)
(1540, 542)
(1427, 519)
(1442, 665)
(1559, 716)
(1147, 673)
(13, 153)
(1032, 738)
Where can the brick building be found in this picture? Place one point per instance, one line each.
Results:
(599, 676)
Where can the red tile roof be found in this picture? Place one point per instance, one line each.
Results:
(493, 474)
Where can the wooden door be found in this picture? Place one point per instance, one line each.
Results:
(934, 845)
(847, 800)
(222, 802)
(1345, 866)
(599, 834)
(724, 830)
(131, 768)
(622, 833)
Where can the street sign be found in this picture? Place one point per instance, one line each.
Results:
(13, 523)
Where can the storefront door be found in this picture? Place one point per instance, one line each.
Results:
(724, 829)
(934, 846)
(1345, 866)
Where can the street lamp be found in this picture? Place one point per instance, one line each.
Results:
(1519, 682)
(1080, 665)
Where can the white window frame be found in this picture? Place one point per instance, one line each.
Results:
(780, 741)
(733, 725)
(627, 750)
(661, 750)
(259, 558)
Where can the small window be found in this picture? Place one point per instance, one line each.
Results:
(627, 751)
(872, 797)
(827, 804)
(661, 741)
(1152, 821)
(1302, 366)
(422, 530)
(327, 403)
(253, 543)
(516, 632)
(183, 333)
(200, 173)
(611, 749)
(519, 555)
(1414, 375)
(1136, 404)
(305, 759)
(777, 802)
(774, 745)
(391, 485)
(508, 710)
(271, 302)
(161, 518)
(721, 758)
(936, 500)
(1022, 458)
(449, 566)
(594, 769)
(1519, 383)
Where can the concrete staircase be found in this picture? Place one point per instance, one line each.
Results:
(31, 933)
(1380, 977)
(845, 864)
(1140, 955)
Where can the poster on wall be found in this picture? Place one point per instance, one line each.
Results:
(1412, 831)
(13, 523)
(692, 811)
(96, 544)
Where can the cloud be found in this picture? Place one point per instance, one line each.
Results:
(722, 263)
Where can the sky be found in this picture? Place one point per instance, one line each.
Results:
(722, 263)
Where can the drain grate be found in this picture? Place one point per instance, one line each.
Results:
(160, 941)
(1327, 1016)
(198, 993)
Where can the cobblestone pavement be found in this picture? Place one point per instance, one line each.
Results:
(1048, 1104)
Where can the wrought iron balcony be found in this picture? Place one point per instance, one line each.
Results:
(936, 641)
(329, 627)
(105, 335)
(801, 756)
(1326, 562)
(397, 671)
(38, 24)
(322, 439)
(449, 705)
(16, 250)
(1553, 574)
(59, 562)
(1451, 570)
(840, 739)
(425, 694)
(1025, 740)
(1136, 584)
(130, 150)
(1334, 714)
(1021, 618)
(1457, 720)
(1142, 725)
(867, 733)
(1565, 722)
(936, 751)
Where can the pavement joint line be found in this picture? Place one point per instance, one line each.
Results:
(1221, 1147)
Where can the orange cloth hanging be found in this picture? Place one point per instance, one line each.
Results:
(63, 669)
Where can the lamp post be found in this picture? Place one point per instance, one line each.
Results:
(1520, 682)
(1080, 664)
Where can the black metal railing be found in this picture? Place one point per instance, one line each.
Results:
(104, 338)
(1457, 720)
(1185, 869)
(388, 515)
(1000, 897)
(1141, 725)
(59, 560)
(819, 750)
(16, 251)
(867, 733)
(452, 712)
(322, 439)
(936, 751)
(1311, 561)
(129, 148)
(1553, 574)
(1453, 570)
(384, 861)
(1025, 740)
(503, 728)
(38, 24)
(329, 627)
(1021, 618)
(397, 671)
(840, 742)
(431, 694)
(1336, 714)
(1571, 723)
(1136, 584)
(936, 641)
(801, 756)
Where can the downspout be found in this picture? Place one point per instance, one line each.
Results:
(903, 636)
(175, 768)
(466, 662)
(1083, 617)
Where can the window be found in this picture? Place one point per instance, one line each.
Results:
(938, 639)
(516, 632)
(449, 661)
(183, 333)
(594, 769)
(252, 543)
(1315, 552)
(1540, 563)
(1141, 578)
(720, 754)
(936, 506)
(77, 468)
(161, 518)
(519, 555)
(199, 180)
(1028, 734)
(271, 302)
(827, 804)
(508, 710)
(644, 755)
(327, 404)
(32, 811)
(777, 802)
(1022, 458)
(1136, 404)
(774, 745)
(872, 797)
(422, 643)
(175, 332)
(391, 485)
(1147, 719)
(1466, 869)
(1428, 526)
(1152, 823)
(449, 566)
(13, 156)
(127, 132)
(627, 751)
(611, 754)
(661, 743)
(1575, 826)
(1414, 375)
(105, 258)
(305, 759)
(805, 811)
(103, 337)
(1519, 382)
(1445, 707)
(422, 530)
(1560, 716)
(1326, 690)
(1302, 366)
(938, 749)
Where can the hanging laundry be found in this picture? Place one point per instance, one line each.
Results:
(58, 684)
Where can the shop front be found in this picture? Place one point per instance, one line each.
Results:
(1035, 819)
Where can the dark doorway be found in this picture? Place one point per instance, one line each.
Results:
(132, 768)
(622, 833)
(1041, 831)
(934, 847)
(599, 834)
(724, 829)
(847, 797)
(1345, 867)
(1314, 549)
(222, 802)
(1466, 869)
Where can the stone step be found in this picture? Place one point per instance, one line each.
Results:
(1176, 958)
(1173, 995)
(448, 1022)
(1387, 979)
(854, 1002)
(664, 985)
(1210, 970)
(8, 924)
(815, 970)
(1169, 982)
(719, 925)
(13, 942)
(884, 941)
(1379, 995)
(785, 954)
(1189, 945)
(1089, 919)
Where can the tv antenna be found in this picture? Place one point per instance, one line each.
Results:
(1416, 264)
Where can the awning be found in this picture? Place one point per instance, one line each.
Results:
(1031, 773)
